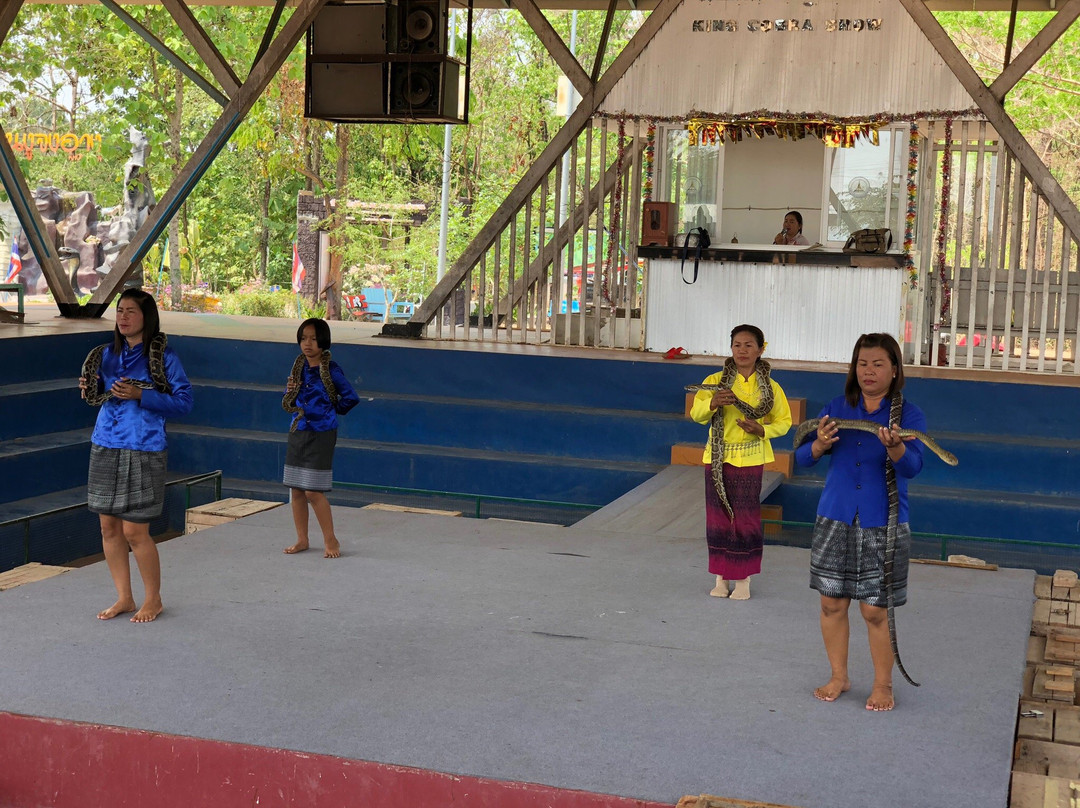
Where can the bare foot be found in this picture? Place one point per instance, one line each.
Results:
(148, 613)
(299, 547)
(832, 689)
(742, 590)
(721, 588)
(120, 607)
(881, 698)
(333, 548)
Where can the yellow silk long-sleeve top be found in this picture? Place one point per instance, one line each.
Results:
(740, 447)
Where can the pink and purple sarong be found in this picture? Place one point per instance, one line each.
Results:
(735, 544)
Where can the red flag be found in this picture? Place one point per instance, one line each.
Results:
(297, 270)
(15, 267)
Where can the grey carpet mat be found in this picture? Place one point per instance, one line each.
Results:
(573, 658)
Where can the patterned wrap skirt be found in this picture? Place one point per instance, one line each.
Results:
(126, 483)
(734, 544)
(309, 460)
(848, 561)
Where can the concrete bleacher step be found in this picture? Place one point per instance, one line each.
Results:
(689, 454)
(40, 464)
(261, 455)
(32, 408)
(532, 428)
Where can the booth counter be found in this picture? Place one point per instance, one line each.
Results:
(798, 296)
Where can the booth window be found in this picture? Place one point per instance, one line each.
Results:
(690, 179)
(867, 185)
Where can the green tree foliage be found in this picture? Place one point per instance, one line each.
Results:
(1045, 104)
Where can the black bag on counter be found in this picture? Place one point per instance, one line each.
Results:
(869, 241)
(698, 238)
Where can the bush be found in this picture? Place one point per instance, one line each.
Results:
(259, 304)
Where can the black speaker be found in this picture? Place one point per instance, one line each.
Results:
(418, 26)
(426, 89)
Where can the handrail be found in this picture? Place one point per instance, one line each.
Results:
(478, 498)
(187, 482)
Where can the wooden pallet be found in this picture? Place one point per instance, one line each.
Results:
(222, 511)
(1046, 765)
(385, 506)
(28, 573)
(709, 801)
(1038, 791)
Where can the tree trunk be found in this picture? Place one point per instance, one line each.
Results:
(337, 233)
(264, 231)
(175, 152)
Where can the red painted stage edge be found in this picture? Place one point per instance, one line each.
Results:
(48, 763)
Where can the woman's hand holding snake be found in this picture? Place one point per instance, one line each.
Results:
(751, 427)
(124, 390)
(827, 434)
(722, 398)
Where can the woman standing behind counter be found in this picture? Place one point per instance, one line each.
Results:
(792, 231)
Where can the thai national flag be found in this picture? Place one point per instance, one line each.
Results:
(15, 267)
(297, 270)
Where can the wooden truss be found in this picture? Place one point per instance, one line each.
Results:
(236, 98)
(989, 99)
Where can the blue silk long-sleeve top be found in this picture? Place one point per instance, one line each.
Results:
(319, 414)
(855, 483)
(139, 425)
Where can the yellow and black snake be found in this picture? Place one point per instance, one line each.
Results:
(716, 430)
(808, 428)
(296, 376)
(91, 368)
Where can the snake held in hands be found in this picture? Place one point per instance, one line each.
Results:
(807, 428)
(296, 376)
(716, 423)
(91, 370)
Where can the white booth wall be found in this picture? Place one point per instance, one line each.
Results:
(763, 180)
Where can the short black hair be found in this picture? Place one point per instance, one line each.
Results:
(151, 320)
(759, 335)
(892, 348)
(322, 332)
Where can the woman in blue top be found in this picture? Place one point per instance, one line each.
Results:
(847, 560)
(317, 392)
(139, 382)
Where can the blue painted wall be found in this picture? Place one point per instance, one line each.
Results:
(543, 427)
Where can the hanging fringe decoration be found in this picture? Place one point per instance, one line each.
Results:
(943, 220)
(912, 195)
(616, 213)
(650, 158)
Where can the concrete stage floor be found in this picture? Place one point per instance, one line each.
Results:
(577, 658)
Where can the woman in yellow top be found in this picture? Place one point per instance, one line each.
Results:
(745, 409)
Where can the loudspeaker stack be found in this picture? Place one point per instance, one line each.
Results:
(384, 63)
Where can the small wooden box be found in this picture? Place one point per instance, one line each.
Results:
(657, 221)
(224, 510)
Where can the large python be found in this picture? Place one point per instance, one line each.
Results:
(296, 376)
(716, 423)
(808, 428)
(91, 369)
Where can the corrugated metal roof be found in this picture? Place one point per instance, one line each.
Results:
(733, 57)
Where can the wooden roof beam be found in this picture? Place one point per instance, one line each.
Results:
(170, 56)
(554, 45)
(601, 48)
(9, 9)
(997, 116)
(1035, 49)
(552, 153)
(203, 45)
(212, 144)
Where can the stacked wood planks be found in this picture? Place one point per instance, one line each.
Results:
(1046, 765)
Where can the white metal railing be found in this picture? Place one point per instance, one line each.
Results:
(1006, 295)
(563, 270)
